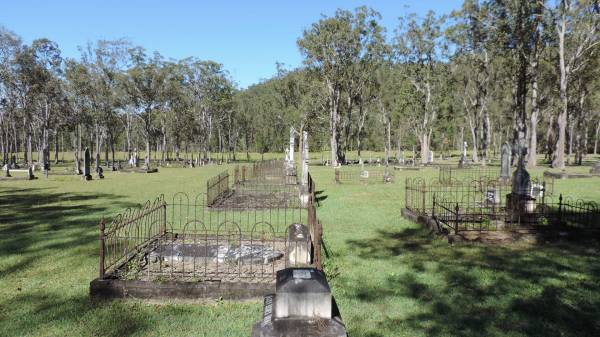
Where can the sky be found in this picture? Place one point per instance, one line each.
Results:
(247, 37)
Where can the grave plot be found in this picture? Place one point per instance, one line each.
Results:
(497, 209)
(363, 176)
(185, 247)
(268, 184)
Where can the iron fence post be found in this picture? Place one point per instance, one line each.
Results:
(456, 220)
(318, 262)
(433, 207)
(560, 208)
(102, 248)
(163, 229)
(423, 201)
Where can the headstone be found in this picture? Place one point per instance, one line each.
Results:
(86, 165)
(520, 200)
(305, 158)
(430, 157)
(100, 172)
(298, 245)
(463, 157)
(301, 306)
(30, 175)
(291, 145)
(596, 168)
(521, 182)
(6, 170)
(505, 162)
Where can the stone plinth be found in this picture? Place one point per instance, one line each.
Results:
(299, 245)
(301, 306)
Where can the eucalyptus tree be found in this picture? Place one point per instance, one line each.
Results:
(472, 62)
(420, 45)
(143, 84)
(577, 25)
(105, 62)
(10, 46)
(333, 48)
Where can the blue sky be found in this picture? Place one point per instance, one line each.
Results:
(248, 37)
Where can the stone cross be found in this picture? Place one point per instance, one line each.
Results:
(505, 162)
(86, 165)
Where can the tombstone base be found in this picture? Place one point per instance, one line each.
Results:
(299, 327)
(270, 326)
(596, 168)
(520, 204)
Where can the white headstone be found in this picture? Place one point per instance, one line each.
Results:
(430, 157)
(305, 158)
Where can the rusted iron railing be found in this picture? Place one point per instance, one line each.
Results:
(130, 231)
(188, 240)
(217, 186)
(460, 217)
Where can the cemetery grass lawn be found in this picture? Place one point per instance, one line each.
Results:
(389, 277)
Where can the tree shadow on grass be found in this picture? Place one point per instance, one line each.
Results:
(35, 222)
(77, 315)
(476, 290)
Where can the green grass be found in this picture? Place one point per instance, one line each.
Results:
(389, 277)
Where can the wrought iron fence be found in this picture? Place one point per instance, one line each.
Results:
(419, 194)
(187, 240)
(456, 217)
(344, 177)
(130, 231)
(449, 173)
(217, 187)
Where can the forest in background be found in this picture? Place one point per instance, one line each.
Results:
(521, 72)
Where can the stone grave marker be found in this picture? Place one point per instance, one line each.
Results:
(430, 157)
(299, 245)
(86, 165)
(30, 173)
(596, 168)
(463, 157)
(505, 162)
(6, 170)
(301, 306)
(304, 158)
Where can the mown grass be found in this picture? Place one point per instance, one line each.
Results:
(390, 277)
